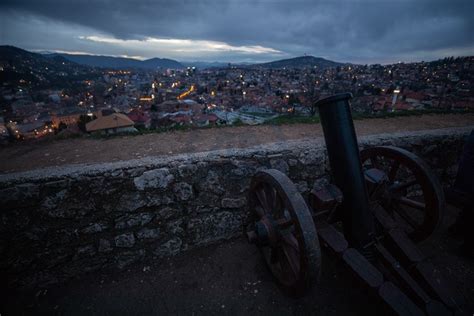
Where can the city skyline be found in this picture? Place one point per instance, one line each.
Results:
(345, 31)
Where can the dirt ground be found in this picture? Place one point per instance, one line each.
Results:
(47, 153)
(228, 279)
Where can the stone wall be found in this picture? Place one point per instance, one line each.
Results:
(61, 222)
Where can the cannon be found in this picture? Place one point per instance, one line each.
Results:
(380, 203)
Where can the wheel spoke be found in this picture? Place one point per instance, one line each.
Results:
(291, 241)
(404, 185)
(284, 223)
(278, 207)
(412, 203)
(270, 196)
(407, 218)
(289, 260)
(321, 213)
(374, 162)
(260, 211)
(273, 255)
(393, 170)
(262, 198)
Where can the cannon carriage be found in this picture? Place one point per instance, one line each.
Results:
(380, 203)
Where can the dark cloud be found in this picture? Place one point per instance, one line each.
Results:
(349, 30)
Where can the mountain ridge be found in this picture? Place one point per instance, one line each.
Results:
(301, 62)
(119, 62)
(104, 61)
(40, 71)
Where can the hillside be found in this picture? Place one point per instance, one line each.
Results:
(21, 67)
(120, 62)
(12, 54)
(301, 62)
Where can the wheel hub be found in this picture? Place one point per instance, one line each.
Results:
(265, 232)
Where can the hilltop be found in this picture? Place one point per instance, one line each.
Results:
(301, 62)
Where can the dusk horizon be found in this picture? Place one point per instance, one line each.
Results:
(362, 32)
(222, 61)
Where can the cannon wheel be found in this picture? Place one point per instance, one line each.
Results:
(293, 253)
(413, 193)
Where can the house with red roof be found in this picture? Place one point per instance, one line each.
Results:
(140, 118)
(403, 106)
(111, 124)
(205, 119)
(180, 119)
(415, 99)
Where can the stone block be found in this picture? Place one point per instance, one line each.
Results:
(183, 191)
(125, 240)
(134, 220)
(94, 228)
(104, 245)
(170, 248)
(233, 202)
(154, 179)
(148, 233)
(280, 165)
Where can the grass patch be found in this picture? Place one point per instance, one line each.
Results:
(402, 113)
(293, 119)
(168, 129)
(258, 114)
(296, 119)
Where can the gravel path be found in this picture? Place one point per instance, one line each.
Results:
(48, 153)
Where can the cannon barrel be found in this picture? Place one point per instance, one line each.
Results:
(346, 169)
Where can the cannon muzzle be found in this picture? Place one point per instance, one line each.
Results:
(346, 169)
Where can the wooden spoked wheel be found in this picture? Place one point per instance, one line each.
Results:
(284, 231)
(409, 190)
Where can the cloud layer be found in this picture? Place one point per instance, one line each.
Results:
(364, 31)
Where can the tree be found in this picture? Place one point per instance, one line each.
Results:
(83, 120)
(61, 126)
(293, 100)
(311, 95)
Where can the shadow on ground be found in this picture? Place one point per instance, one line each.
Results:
(228, 278)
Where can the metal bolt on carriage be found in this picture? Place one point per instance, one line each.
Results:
(382, 201)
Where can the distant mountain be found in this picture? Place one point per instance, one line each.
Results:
(162, 63)
(204, 64)
(214, 64)
(20, 57)
(301, 62)
(67, 60)
(24, 67)
(120, 62)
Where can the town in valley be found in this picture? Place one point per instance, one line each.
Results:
(45, 95)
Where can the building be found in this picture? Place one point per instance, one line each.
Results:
(4, 134)
(205, 119)
(31, 130)
(111, 124)
(67, 116)
(180, 105)
(140, 118)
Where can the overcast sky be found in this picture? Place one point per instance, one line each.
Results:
(360, 31)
